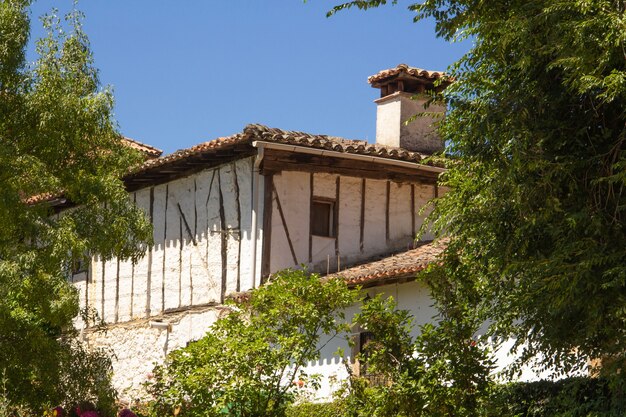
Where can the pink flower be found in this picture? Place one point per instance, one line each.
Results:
(58, 412)
(126, 413)
(90, 414)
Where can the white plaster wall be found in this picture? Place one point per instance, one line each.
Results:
(137, 347)
(159, 249)
(293, 189)
(375, 195)
(388, 114)
(412, 296)
(183, 269)
(184, 266)
(400, 215)
(349, 216)
(244, 177)
(423, 194)
(80, 281)
(141, 269)
(181, 272)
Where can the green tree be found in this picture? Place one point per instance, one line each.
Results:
(443, 372)
(249, 363)
(537, 206)
(57, 139)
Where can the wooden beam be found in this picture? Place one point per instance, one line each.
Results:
(413, 231)
(387, 204)
(187, 228)
(310, 217)
(336, 216)
(268, 191)
(223, 238)
(237, 192)
(163, 275)
(276, 161)
(285, 228)
(362, 219)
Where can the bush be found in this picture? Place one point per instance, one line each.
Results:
(571, 397)
(332, 409)
(249, 361)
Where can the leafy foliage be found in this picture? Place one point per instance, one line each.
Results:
(248, 362)
(537, 199)
(330, 409)
(571, 397)
(442, 372)
(568, 397)
(57, 139)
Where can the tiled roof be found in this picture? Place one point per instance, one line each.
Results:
(185, 161)
(149, 151)
(405, 69)
(331, 143)
(203, 148)
(401, 265)
(255, 132)
(42, 198)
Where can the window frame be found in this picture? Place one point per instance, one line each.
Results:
(332, 216)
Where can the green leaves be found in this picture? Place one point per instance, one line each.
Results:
(249, 361)
(442, 372)
(536, 208)
(57, 139)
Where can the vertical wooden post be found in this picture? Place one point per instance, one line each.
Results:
(311, 217)
(223, 236)
(387, 208)
(413, 231)
(167, 198)
(268, 191)
(150, 248)
(362, 220)
(336, 214)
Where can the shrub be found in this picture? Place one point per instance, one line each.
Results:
(570, 397)
(248, 362)
(331, 409)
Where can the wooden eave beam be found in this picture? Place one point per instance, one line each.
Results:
(183, 168)
(278, 160)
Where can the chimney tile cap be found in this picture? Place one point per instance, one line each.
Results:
(404, 71)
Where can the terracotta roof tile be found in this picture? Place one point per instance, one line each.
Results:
(332, 143)
(405, 69)
(400, 265)
(256, 132)
(42, 198)
(148, 150)
(181, 161)
(197, 150)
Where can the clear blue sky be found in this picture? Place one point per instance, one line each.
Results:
(189, 71)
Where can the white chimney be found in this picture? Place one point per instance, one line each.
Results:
(403, 92)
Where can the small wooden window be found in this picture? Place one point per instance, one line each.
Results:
(322, 218)
(365, 338)
(80, 265)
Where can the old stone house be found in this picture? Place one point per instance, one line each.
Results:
(229, 212)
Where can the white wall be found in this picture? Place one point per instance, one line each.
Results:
(179, 280)
(412, 296)
(294, 192)
(136, 347)
(184, 267)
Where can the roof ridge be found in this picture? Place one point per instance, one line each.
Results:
(143, 147)
(407, 69)
(271, 134)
